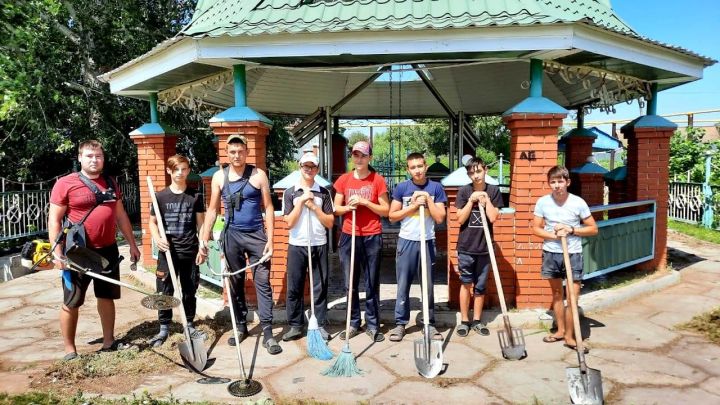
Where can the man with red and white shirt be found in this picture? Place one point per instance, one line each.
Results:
(365, 192)
(71, 197)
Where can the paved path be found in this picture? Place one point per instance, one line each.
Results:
(643, 359)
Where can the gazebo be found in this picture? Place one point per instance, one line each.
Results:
(529, 61)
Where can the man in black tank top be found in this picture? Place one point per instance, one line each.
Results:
(244, 189)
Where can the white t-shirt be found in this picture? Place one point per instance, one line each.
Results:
(299, 233)
(571, 213)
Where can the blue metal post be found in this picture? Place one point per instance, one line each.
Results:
(153, 108)
(652, 103)
(536, 72)
(708, 212)
(239, 80)
(500, 170)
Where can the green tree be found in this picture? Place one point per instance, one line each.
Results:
(356, 136)
(687, 154)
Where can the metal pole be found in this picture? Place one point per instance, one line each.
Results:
(451, 160)
(500, 170)
(708, 211)
(328, 145)
(321, 146)
(461, 127)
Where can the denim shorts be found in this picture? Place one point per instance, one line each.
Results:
(474, 270)
(553, 266)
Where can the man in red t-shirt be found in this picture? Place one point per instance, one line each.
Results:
(365, 192)
(71, 197)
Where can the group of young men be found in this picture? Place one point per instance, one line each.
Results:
(310, 211)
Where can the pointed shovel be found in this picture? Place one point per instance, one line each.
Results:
(584, 383)
(428, 353)
(192, 350)
(512, 340)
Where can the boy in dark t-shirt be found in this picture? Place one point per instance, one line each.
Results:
(183, 213)
(473, 259)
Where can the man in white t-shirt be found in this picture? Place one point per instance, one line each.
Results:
(556, 215)
(307, 201)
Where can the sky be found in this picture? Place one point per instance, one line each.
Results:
(690, 24)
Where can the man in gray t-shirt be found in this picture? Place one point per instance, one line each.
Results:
(561, 214)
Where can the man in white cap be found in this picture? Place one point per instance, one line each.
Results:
(303, 202)
(365, 191)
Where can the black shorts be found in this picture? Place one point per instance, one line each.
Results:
(76, 284)
(554, 266)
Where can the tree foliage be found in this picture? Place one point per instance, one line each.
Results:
(687, 155)
(51, 54)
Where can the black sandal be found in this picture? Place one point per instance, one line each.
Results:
(463, 329)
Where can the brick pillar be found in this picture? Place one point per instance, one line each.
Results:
(533, 151)
(453, 232)
(648, 174)
(579, 148)
(616, 181)
(256, 133)
(592, 190)
(153, 151)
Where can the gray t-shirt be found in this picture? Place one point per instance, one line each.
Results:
(571, 213)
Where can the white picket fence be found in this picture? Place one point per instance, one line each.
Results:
(686, 202)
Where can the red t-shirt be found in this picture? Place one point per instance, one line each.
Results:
(370, 188)
(100, 226)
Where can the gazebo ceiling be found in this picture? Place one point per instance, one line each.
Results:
(304, 54)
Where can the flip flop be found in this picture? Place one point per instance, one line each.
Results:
(463, 329)
(480, 328)
(586, 349)
(272, 346)
(70, 356)
(552, 339)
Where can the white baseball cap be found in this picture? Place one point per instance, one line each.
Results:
(309, 157)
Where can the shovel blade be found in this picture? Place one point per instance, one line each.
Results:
(428, 367)
(513, 348)
(194, 353)
(584, 388)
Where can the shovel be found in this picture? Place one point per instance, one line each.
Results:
(584, 384)
(88, 262)
(512, 340)
(192, 350)
(428, 353)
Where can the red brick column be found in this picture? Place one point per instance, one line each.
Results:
(578, 148)
(648, 178)
(453, 232)
(529, 132)
(256, 133)
(153, 151)
(592, 190)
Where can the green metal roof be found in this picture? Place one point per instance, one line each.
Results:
(256, 17)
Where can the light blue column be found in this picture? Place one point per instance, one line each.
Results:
(708, 211)
(500, 170)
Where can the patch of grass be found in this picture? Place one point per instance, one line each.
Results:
(698, 232)
(92, 369)
(707, 324)
(209, 290)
